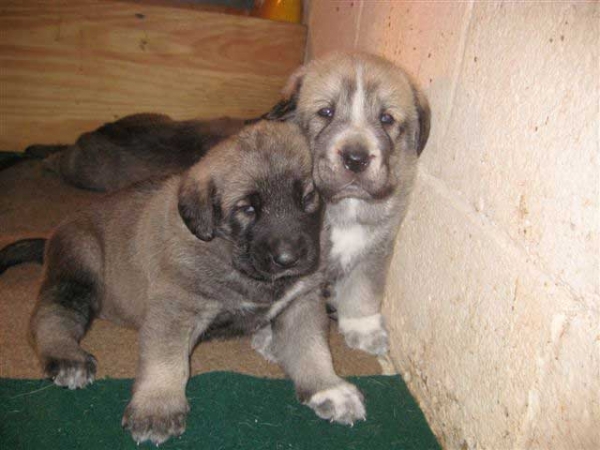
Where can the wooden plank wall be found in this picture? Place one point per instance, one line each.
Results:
(69, 66)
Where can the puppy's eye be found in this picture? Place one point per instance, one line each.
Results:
(326, 112)
(386, 119)
(248, 210)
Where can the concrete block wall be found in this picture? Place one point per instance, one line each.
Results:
(493, 300)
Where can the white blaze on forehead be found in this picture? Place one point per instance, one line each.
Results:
(358, 129)
(358, 100)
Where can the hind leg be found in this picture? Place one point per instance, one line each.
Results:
(60, 320)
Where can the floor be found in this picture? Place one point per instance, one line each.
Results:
(228, 411)
(32, 202)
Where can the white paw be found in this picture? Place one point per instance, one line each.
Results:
(343, 404)
(366, 333)
(262, 342)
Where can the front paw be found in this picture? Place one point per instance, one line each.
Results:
(366, 333)
(343, 403)
(155, 418)
(71, 373)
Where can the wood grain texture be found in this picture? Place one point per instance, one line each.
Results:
(69, 66)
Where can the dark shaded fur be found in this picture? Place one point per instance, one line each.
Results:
(77, 295)
(22, 251)
(283, 110)
(134, 148)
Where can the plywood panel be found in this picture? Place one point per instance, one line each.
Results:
(333, 27)
(66, 67)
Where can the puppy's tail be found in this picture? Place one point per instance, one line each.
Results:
(25, 250)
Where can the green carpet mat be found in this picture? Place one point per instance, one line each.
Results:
(228, 411)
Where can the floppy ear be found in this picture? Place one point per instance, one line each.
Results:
(424, 119)
(198, 207)
(286, 108)
(282, 111)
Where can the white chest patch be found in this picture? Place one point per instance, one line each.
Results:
(348, 243)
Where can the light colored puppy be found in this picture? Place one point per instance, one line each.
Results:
(367, 124)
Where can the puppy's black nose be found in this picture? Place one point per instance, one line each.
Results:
(355, 158)
(284, 254)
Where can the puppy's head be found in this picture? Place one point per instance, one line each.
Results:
(255, 190)
(366, 123)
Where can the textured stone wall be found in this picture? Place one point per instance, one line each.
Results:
(493, 299)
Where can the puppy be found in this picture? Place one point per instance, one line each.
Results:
(216, 251)
(367, 124)
(134, 148)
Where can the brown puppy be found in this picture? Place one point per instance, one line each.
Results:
(215, 251)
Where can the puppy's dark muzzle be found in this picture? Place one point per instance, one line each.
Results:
(285, 254)
(280, 257)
